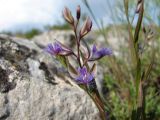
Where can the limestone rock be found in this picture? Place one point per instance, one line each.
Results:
(65, 37)
(34, 86)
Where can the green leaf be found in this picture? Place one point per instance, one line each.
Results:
(126, 6)
(62, 60)
(139, 22)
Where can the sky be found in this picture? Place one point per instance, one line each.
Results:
(22, 15)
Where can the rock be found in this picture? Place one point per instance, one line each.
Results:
(34, 86)
(65, 37)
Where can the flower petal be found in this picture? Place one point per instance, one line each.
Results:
(104, 52)
(82, 71)
(94, 49)
(90, 77)
(57, 48)
(84, 76)
(97, 54)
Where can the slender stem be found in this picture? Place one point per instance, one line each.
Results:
(97, 102)
(78, 51)
(74, 54)
(78, 43)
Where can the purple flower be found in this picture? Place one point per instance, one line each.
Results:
(57, 49)
(84, 77)
(97, 54)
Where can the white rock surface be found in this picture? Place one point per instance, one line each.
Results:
(34, 87)
(65, 37)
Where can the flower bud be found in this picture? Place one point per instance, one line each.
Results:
(139, 1)
(139, 5)
(86, 27)
(78, 12)
(68, 16)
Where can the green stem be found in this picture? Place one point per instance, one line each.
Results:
(98, 102)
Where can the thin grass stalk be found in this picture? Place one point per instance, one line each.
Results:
(112, 61)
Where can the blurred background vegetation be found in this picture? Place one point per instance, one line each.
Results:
(119, 78)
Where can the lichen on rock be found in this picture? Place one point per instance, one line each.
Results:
(25, 90)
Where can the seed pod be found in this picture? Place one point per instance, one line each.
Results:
(86, 27)
(68, 16)
(78, 12)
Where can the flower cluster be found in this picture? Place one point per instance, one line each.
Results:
(84, 74)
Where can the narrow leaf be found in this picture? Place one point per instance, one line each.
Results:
(62, 60)
(139, 22)
(126, 7)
